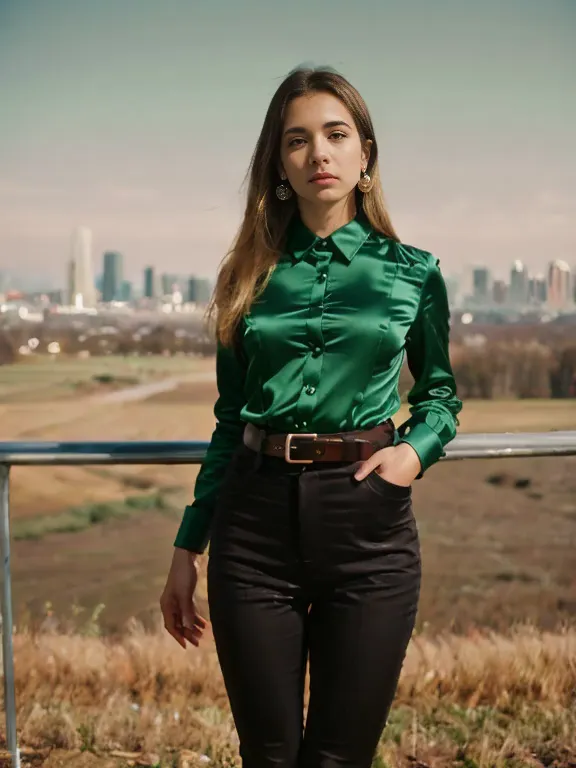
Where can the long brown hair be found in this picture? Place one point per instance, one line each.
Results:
(248, 266)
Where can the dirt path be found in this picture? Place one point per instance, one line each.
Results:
(143, 391)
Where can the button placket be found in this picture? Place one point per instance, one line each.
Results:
(313, 364)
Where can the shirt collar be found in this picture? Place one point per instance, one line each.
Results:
(347, 239)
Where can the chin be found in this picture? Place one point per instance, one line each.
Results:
(326, 195)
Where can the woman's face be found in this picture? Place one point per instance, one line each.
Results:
(321, 151)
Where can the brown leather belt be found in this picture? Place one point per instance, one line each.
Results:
(306, 448)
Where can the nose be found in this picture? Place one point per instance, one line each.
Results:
(319, 152)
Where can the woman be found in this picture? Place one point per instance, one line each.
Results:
(305, 491)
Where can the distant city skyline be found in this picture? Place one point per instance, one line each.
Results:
(554, 287)
(142, 129)
(551, 287)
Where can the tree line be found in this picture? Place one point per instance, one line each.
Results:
(502, 365)
(511, 369)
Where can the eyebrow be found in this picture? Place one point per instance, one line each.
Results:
(330, 124)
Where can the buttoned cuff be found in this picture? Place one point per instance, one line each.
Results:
(422, 435)
(194, 531)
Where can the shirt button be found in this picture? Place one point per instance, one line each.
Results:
(324, 242)
(310, 390)
(317, 351)
(322, 276)
(304, 423)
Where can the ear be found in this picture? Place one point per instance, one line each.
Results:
(366, 147)
(281, 172)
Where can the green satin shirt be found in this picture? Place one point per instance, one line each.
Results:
(322, 348)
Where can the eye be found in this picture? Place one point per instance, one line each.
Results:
(295, 142)
(338, 135)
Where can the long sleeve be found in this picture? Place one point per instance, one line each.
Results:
(194, 531)
(434, 405)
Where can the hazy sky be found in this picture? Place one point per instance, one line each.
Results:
(137, 118)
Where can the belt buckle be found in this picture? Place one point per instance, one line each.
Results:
(288, 445)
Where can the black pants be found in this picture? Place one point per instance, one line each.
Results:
(306, 562)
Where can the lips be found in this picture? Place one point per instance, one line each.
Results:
(322, 176)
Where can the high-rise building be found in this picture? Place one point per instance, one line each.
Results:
(199, 290)
(126, 291)
(499, 292)
(518, 284)
(112, 276)
(71, 281)
(204, 290)
(559, 285)
(150, 283)
(169, 284)
(81, 290)
(192, 294)
(537, 289)
(481, 285)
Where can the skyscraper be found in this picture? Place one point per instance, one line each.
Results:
(112, 276)
(126, 291)
(537, 289)
(192, 289)
(81, 290)
(481, 285)
(518, 283)
(150, 284)
(559, 284)
(169, 284)
(199, 290)
(499, 292)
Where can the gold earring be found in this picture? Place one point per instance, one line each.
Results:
(365, 181)
(283, 191)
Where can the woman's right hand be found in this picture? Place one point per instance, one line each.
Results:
(181, 618)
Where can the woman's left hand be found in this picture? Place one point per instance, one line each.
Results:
(399, 464)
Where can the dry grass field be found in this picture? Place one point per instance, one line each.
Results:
(498, 543)
(42, 378)
(478, 700)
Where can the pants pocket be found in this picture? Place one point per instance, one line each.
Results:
(386, 488)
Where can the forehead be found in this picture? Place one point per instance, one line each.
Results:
(315, 109)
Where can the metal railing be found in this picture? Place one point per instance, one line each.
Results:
(464, 446)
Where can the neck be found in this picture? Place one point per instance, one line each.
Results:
(325, 219)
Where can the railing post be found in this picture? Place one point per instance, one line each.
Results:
(7, 623)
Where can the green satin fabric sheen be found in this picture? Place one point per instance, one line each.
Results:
(322, 352)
